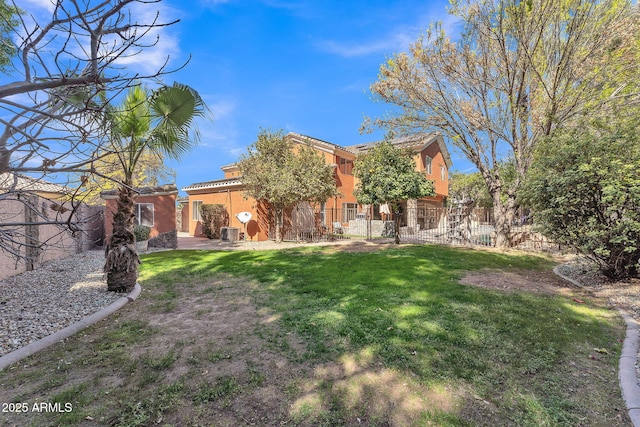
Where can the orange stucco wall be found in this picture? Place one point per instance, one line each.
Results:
(345, 183)
(234, 202)
(164, 213)
(437, 162)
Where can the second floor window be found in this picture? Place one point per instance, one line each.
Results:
(346, 166)
(427, 165)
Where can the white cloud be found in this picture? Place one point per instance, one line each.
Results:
(222, 134)
(28, 5)
(222, 108)
(396, 40)
(162, 42)
(355, 49)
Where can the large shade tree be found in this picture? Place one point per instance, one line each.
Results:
(387, 174)
(283, 174)
(159, 121)
(518, 71)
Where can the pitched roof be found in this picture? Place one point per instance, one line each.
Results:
(413, 142)
(218, 183)
(317, 143)
(10, 181)
(158, 190)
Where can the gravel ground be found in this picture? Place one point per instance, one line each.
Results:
(624, 295)
(38, 303)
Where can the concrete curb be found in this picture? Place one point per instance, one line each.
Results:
(627, 374)
(26, 351)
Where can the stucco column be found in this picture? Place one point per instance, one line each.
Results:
(412, 214)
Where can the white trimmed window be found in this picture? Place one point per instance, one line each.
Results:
(144, 214)
(443, 173)
(427, 165)
(346, 166)
(195, 210)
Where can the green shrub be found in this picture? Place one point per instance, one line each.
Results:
(584, 190)
(213, 218)
(141, 232)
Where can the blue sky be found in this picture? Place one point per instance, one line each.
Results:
(301, 66)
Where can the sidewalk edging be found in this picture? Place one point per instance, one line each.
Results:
(627, 373)
(26, 351)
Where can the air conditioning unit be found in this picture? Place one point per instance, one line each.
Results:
(229, 234)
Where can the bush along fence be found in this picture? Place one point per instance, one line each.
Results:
(443, 225)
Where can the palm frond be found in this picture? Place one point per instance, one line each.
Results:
(175, 109)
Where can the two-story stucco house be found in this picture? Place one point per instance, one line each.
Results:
(431, 157)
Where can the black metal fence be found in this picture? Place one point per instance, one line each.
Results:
(442, 225)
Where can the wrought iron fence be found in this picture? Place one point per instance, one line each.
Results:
(441, 225)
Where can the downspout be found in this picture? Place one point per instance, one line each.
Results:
(230, 208)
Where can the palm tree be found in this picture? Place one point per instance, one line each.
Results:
(159, 121)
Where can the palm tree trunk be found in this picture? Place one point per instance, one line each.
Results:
(122, 258)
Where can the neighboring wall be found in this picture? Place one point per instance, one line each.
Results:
(163, 199)
(48, 241)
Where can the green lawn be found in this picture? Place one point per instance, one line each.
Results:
(318, 336)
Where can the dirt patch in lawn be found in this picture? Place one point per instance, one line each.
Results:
(544, 282)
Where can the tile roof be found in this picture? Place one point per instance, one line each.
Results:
(144, 191)
(10, 181)
(419, 142)
(312, 139)
(409, 141)
(218, 183)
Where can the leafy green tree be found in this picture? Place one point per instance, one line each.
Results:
(518, 71)
(8, 22)
(283, 174)
(584, 191)
(469, 187)
(159, 121)
(387, 174)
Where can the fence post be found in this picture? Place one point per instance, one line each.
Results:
(32, 232)
(369, 217)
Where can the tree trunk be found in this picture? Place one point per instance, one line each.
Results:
(504, 213)
(396, 222)
(279, 220)
(122, 260)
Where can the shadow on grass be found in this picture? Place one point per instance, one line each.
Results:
(377, 323)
